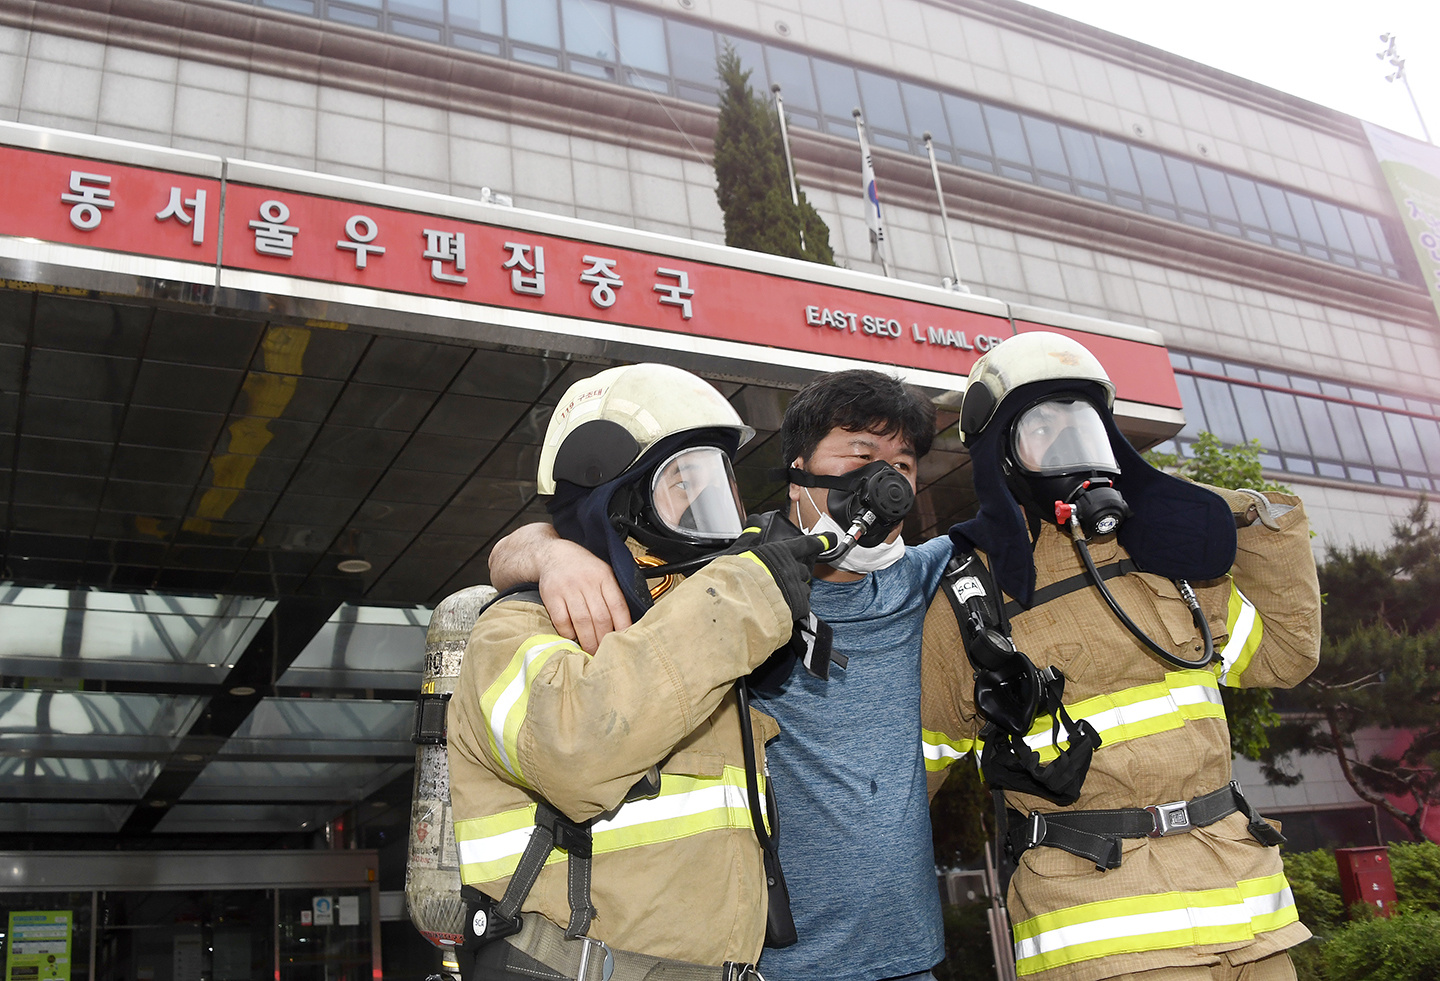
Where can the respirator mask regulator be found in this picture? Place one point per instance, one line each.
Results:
(1060, 464)
(861, 509)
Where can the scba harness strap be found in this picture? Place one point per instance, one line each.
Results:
(1097, 835)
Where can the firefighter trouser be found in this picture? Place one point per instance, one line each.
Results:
(1276, 967)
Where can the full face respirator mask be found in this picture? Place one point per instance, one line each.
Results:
(1060, 464)
(866, 503)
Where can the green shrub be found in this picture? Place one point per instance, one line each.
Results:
(1416, 866)
(1405, 947)
(1315, 881)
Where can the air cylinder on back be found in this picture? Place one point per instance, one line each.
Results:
(432, 870)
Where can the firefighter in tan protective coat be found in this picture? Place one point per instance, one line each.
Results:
(604, 824)
(1150, 864)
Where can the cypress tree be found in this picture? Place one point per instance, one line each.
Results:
(752, 184)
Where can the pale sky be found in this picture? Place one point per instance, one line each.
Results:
(1320, 50)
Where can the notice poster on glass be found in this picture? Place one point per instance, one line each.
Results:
(1412, 170)
(39, 946)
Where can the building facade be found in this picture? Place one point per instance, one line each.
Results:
(199, 444)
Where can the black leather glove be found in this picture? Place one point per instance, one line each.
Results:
(791, 563)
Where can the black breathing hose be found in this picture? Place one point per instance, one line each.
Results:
(1186, 593)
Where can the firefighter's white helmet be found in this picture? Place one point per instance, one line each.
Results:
(1035, 356)
(605, 423)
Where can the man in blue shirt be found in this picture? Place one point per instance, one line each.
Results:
(847, 767)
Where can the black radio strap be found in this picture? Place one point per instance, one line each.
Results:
(1065, 587)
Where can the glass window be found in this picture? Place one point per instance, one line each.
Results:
(357, 17)
(792, 71)
(1044, 138)
(1220, 413)
(1349, 434)
(882, 105)
(587, 29)
(1217, 193)
(1319, 428)
(839, 96)
(1178, 360)
(1277, 213)
(533, 22)
(922, 105)
(1377, 232)
(1289, 430)
(424, 9)
(1254, 416)
(1304, 211)
(967, 126)
(1247, 198)
(1194, 411)
(1186, 184)
(1119, 168)
(1428, 433)
(752, 59)
(477, 15)
(641, 38)
(1151, 168)
(1359, 233)
(1007, 135)
(1406, 445)
(1377, 436)
(1080, 153)
(1333, 226)
(693, 52)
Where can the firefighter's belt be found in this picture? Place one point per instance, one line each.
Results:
(1096, 835)
(543, 948)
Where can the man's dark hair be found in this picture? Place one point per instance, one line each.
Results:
(858, 401)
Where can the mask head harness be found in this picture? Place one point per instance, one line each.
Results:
(868, 502)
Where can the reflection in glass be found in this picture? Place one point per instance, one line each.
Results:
(291, 780)
(1220, 411)
(315, 726)
(477, 15)
(642, 41)
(66, 777)
(838, 92)
(1288, 429)
(363, 647)
(792, 71)
(1194, 411)
(1186, 184)
(1254, 416)
(1151, 168)
(752, 59)
(1348, 434)
(922, 105)
(1044, 139)
(882, 102)
(1406, 445)
(1217, 193)
(694, 52)
(967, 125)
(1119, 168)
(1277, 213)
(1333, 225)
(103, 723)
(533, 22)
(1083, 158)
(432, 10)
(1007, 135)
(587, 29)
(1377, 437)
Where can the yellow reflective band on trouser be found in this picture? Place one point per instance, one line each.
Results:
(940, 750)
(490, 847)
(506, 700)
(1141, 711)
(1157, 922)
(1242, 622)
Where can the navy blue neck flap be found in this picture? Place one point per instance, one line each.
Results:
(582, 514)
(1177, 529)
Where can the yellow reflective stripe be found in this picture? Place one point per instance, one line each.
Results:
(490, 847)
(506, 700)
(1156, 922)
(940, 750)
(1141, 711)
(756, 559)
(1243, 623)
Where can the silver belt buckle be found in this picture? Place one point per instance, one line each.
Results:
(606, 970)
(1170, 819)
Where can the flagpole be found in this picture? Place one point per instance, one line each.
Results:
(872, 196)
(789, 164)
(954, 283)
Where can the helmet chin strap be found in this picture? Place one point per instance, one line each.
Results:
(1067, 517)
